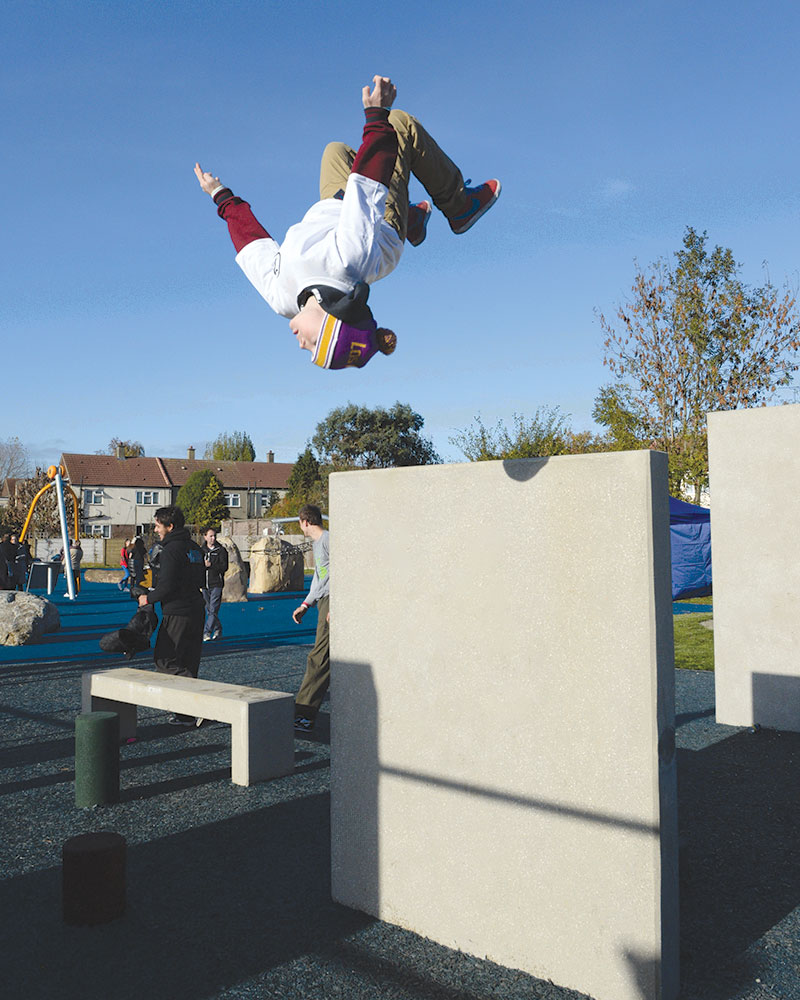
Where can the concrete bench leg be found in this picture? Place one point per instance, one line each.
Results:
(262, 741)
(126, 712)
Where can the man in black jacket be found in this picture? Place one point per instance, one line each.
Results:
(179, 643)
(215, 559)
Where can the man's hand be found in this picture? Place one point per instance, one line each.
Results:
(142, 600)
(208, 182)
(298, 613)
(382, 96)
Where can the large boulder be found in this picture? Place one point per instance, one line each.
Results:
(235, 587)
(25, 618)
(275, 565)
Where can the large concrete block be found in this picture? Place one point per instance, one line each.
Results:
(502, 739)
(754, 465)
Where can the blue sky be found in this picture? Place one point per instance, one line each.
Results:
(612, 126)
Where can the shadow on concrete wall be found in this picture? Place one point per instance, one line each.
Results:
(356, 772)
(739, 813)
(645, 973)
(523, 469)
(355, 859)
(776, 701)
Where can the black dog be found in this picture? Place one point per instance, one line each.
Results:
(135, 636)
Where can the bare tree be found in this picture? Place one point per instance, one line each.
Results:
(14, 459)
(130, 449)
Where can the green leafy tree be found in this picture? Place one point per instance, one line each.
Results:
(211, 510)
(694, 338)
(307, 483)
(305, 474)
(236, 446)
(626, 425)
(546, 433)
(356, 437)
(191, 493)
(131, 449)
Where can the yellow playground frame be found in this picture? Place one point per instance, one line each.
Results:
(51, 475)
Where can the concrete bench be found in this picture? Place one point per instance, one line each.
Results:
(262, 722)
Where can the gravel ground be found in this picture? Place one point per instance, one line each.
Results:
(229, 887)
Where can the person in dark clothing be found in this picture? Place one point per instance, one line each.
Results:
(22, 562)
(215, 559)
(181, 574)
(137, 560)
(154, 559)
(8, 557)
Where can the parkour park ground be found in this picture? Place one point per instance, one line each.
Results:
(229, 888)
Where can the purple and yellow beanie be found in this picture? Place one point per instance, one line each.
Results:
(342, 346)
(347, 335)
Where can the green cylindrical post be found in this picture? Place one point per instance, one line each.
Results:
(96, 759)
(93, 878)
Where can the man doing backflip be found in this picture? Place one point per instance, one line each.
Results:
(319, 276)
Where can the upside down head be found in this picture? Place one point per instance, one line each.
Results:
(338, 329)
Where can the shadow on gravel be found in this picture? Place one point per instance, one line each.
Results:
(207, 908)
(227, 904)
(739, 814)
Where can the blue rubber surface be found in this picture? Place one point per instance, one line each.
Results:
(262, 620)
(679, 608)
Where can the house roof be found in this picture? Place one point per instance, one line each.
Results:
(9, 486)
(152, 473)
(233, 475)
(108, 470)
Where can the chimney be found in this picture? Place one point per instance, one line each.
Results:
(270, 456)
(120, 451)
(190, 453)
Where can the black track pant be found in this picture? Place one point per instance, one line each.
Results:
(179, 644)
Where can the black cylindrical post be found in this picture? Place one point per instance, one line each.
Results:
(96, 759)
(93, 878)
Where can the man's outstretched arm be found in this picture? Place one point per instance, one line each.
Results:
(376, 156)
(243, 226)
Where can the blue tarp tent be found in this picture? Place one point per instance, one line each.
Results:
(690, 537)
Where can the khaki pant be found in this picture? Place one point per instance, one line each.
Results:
(318, 666)
(418, 154)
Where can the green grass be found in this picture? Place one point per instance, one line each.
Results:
(694, 645)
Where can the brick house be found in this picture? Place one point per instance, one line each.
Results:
(118, 496)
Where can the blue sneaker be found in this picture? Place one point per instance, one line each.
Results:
(302, 724)
(417, 225)
(479, 200)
